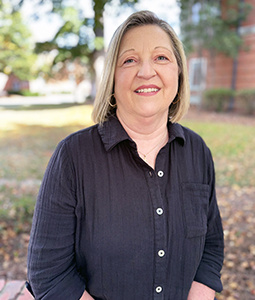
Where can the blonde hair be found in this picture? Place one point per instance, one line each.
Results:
(104, 101)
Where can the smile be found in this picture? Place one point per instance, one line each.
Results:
(149, 90)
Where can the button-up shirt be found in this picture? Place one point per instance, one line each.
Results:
(105, 221)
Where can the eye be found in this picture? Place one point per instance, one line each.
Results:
(129, 61)
(162, 57)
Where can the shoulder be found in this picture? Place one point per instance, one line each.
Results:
(82, 141)
(85, 133)
(185, 134)
(192, 136)
(194, 142)
(81, 137)
(196, 150)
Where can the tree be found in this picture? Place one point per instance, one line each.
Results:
(213, 26)
(16, 47)
(79, 38)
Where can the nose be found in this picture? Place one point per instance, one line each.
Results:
(146, 70)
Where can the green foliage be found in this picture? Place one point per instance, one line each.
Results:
(78, 36)
(25, 93)
(217, 99)
(16, 47)
(213, 27)
(245, 101)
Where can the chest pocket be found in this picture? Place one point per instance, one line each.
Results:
(195, 201)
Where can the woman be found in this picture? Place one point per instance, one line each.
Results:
(127, 208)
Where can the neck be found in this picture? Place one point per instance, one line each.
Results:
(144, 127)
(149, 135)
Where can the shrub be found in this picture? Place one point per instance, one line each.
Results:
(217, 99)
(245, 101)
(25, 93)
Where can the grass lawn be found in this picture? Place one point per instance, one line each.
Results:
(232, 147)
(28, 136)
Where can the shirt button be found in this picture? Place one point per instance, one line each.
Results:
(159, 289)
(159, 211)
(160, 173)
(161, 253)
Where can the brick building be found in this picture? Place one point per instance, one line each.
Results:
(208, 72)
(14, 84)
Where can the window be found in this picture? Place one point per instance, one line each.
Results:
(197, 73)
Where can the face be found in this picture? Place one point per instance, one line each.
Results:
(146, 74)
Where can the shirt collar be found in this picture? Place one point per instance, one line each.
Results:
(176, 132)
(112, 133)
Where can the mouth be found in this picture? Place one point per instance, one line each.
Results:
(147, 90)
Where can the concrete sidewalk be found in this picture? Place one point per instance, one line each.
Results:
(14, 290)
(54, 99)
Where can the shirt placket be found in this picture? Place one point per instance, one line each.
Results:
(159, 233)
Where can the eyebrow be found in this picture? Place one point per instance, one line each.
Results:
(132, 49)
(126, 52)
(170, 50)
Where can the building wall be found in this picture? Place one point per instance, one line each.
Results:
(251, 17)
(246, 65)
(219, 69)
(15, 84)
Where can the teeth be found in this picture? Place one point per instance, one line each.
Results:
(149, 90)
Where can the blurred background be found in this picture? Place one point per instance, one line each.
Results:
(51, 59)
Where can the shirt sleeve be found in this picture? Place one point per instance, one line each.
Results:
(52, 271)
(208, 272)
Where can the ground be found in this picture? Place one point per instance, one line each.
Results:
(237, 208)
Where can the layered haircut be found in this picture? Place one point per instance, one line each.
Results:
(104, 104)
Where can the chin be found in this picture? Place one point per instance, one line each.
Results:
(153, 114)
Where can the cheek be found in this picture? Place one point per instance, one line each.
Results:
(121, 81)
(117, 79)
(171, 77)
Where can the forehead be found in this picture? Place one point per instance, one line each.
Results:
(145, 34)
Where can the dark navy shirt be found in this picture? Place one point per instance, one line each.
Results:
(106, 221)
